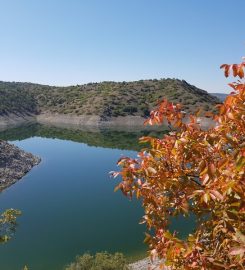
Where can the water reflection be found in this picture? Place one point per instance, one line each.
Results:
(106, 138)
(68, 203)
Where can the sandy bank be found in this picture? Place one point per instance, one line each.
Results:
(85, 121)
(130, 121)
(90, 120)
(13, 120)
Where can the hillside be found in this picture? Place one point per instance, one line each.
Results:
(105, 99)
(16, 98)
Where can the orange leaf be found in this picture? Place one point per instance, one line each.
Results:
(235, 69)
(212, 169)
(240, 72)
(227, 71)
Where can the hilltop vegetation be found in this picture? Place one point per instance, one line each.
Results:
(106, 99)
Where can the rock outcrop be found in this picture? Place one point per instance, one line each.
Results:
(14, 164)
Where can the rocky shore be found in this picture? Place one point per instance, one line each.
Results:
(145, 264)
(14, 164)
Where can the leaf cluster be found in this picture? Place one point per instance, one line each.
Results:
(194, 171)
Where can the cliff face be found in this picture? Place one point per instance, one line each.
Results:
(14, 164)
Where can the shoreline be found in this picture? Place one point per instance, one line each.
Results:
(86, 121)
(14, 120)
(69, 120)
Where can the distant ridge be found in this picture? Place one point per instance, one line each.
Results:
(220, 96)
(105, 99)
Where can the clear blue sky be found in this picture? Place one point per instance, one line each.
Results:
(78, 41)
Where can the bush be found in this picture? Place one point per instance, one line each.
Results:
(99, 261)
(130, 109)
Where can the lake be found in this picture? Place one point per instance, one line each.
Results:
(68, 204)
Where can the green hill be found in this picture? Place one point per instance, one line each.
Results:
(106, 99)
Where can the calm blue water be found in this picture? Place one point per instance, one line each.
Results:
(68, 204)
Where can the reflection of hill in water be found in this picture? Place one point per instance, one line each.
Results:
(125, 140)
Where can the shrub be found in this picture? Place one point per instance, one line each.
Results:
(99, 261)
(130, 109)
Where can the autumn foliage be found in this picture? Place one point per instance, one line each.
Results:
(196, 171)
